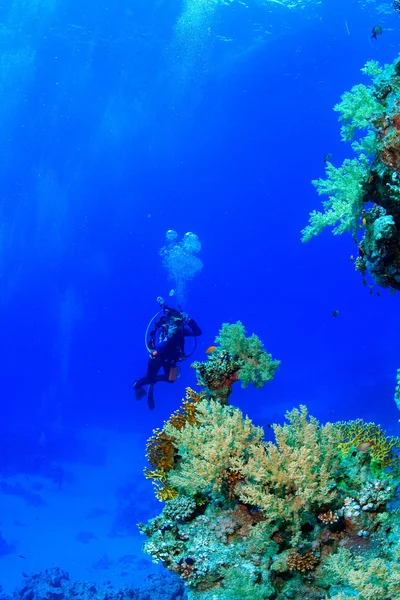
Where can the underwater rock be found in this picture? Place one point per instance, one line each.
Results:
(55, 584)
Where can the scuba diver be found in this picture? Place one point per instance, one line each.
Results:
(166, 346)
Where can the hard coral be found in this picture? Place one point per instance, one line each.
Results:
(301, 562)
(381, 448)
(329, 517)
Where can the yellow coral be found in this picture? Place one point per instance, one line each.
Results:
(160, 451)
(367, 578)
(287, 479)
(357, 432)
(209, 449)
(187, 414)
(164, 492)
(161, 447)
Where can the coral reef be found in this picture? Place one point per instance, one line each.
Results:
(235, 358)
(254, 519)
(55, 583)
(364, 193)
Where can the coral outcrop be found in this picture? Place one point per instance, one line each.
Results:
(256, 519)
(364, 193)
(236, 358)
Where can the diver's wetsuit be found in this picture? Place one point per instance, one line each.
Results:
(168, 351)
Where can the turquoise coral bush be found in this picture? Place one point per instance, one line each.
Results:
(358, 109)
(237, 357)
(363, 193)
(344, 188)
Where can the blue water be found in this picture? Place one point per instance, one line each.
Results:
(119, 122)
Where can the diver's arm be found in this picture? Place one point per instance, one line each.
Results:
(191, 329)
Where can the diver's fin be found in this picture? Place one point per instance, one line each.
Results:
(140, 392)
(150, 397)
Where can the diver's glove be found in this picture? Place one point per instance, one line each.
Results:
(185, 317)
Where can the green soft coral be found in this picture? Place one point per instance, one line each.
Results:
(256, 365)
(344, 188)
(358, 109)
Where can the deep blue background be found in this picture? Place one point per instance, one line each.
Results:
(117, 124)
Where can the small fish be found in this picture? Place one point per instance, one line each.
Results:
(365, 446)
(327, 157)
(378, 293)
(20, 556)
(371, 292)
(335, 313)
(365, 281)
(211, 349)
(377, 30)
(352, 258)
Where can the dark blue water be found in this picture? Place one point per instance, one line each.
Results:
(119, 122)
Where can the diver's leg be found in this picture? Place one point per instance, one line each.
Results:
(166, 368)
(153, 366)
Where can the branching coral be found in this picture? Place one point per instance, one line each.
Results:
(301, 562)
